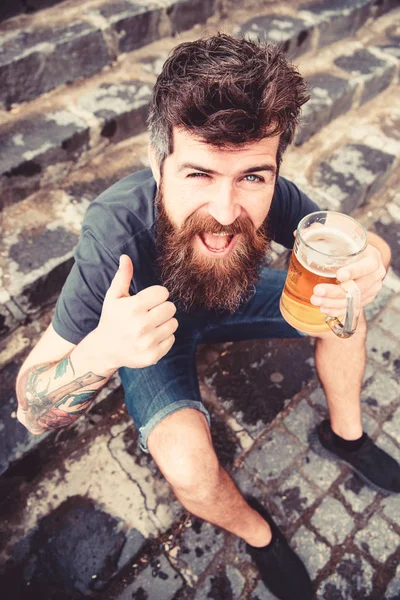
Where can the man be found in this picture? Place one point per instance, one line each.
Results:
(195, 229)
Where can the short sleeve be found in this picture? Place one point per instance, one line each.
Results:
(289, 206)
(78, 308)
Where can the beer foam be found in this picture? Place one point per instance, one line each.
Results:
(329, 241)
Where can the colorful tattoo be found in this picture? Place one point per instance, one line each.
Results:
(51, 410)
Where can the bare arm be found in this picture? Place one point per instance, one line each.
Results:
(54, 394)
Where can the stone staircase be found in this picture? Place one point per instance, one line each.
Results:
(75, 83)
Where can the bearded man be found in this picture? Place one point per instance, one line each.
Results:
(191, 235)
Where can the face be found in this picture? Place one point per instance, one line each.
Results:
(212, 208)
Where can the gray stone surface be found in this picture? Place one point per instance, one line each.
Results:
(375, 307)
(293, 497)
(225, 584)
(390, 320)
(133, 543)
(332, 520)
(35, 61)
(321, 471)
(27, 153)
(122, 108)
(352, 579)
(381, 347)
(393, 590)
(375, 72)
(158, 581)
(392, 425)
(293, 32)
(391, 508)
(377, 538)
(184, 14)
(330, 97)
(268, 460)
(338, 19)
(302, 421)
(199, 545)
(356, 493)
(380, 391)
(261, 593)
(391, 233)
(314, 553)
(134, 25)
(351, 174)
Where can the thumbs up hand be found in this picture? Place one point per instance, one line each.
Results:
(135, 331)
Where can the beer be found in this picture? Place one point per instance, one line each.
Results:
(307, 269)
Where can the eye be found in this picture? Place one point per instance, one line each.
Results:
(251, 178)
(199, 175)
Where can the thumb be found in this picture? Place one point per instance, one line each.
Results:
(119, 287)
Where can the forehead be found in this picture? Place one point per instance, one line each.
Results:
(189, 147)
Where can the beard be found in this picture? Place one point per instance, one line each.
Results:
(195, 280)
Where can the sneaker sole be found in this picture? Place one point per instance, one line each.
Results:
(325, 453)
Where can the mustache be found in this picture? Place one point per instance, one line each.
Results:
(197, 224)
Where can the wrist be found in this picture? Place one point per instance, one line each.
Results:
(94, 346)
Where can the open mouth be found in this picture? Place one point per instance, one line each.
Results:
(218, 243)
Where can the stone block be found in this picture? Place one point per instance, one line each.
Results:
(7, 321)
(337, 19)
(256, 379)
(302, 421)
(158, 581)
(91, 541)
(321, 471)
(28, 151)
(352, 174)
(184, 14)
(268, 460)
(293, 33)
(384, 6)
(356, 493)
(121, 107)
(135, 25)
(391, 508)
(225, 584)
(391, 234)
(332, 521)
(314, 553)
(390, 320)
(393, 590)
(380, 391)
(381, 347)
(373, 309)
(261, 593)
(10, 8)
(330, 97)
(377, 538)
(353, 579)
(392, 425)
(199, 545)
(33, 62)
(374, 72)
(293, 497)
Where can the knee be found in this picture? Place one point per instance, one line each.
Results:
(187, 459)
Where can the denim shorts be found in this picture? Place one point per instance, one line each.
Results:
(152, 393)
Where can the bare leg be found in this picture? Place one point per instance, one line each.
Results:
(182, 448)
(340, 365)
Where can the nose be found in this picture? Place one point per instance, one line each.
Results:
(224, 207)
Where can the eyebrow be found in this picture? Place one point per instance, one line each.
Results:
(255, 169)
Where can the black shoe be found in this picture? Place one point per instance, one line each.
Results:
(281, 570)
(372, 464)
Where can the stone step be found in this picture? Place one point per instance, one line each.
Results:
(10, 8)
(50, 135)
(70, 41)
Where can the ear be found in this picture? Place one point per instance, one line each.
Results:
(154, 164)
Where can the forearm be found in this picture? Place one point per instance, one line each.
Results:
(53, 395)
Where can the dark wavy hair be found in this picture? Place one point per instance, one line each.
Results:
(228, 92)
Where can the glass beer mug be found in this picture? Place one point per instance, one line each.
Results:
(325, 242)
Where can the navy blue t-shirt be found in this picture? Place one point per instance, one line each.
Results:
(121, 221)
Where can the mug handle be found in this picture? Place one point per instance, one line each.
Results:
(353, 307)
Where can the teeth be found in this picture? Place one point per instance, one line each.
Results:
(223, 233)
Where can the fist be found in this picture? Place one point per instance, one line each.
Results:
(135, 331)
